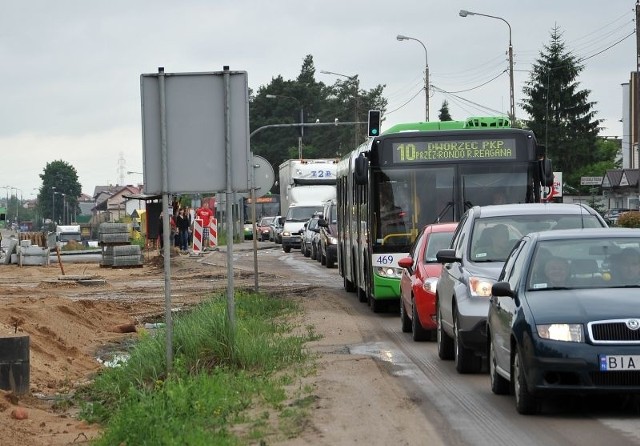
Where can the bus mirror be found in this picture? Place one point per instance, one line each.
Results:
(546, 172)
(541, 151)
(360, 171)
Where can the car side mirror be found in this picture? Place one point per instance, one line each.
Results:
(447, 256)
(405, 262)
(502, 289)
(323, 223)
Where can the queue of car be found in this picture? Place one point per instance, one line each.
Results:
(545, 295)
(318, 236)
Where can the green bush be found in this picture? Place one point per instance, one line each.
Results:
(629, 219)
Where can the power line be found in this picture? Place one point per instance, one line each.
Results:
(406, 103)
(481, 85)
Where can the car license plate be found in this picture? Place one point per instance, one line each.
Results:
(613, 363)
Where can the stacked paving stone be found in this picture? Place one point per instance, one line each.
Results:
(117, 250)
(9, 249)
(29, 254)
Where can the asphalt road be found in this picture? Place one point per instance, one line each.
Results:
(463, 407)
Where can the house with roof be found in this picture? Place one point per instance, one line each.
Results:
(110, 202)
(621, 189)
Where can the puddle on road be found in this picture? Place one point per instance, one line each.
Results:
(380, 351)
(399, 363)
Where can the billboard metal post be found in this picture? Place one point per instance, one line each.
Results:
(166, 227)
(229, 204)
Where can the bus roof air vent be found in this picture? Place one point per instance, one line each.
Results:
(489, 122)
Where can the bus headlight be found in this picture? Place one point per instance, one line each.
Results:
(389, 272)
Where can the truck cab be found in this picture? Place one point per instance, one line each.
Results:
(67, 233)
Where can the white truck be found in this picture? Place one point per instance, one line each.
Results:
(67, 233)
(305, 184)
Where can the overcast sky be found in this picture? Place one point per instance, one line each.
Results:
(70, 78)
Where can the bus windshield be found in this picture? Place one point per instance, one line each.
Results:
(406, 199)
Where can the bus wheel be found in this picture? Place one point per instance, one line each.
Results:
(362, 295)
(375, 304)
(349, 287)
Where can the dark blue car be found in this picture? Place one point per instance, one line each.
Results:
(564, 316)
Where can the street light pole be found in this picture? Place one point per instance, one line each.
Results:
(53, 206)
(18, 203)
(301, 132)
(64, 208)
(512, 107)
(356, 99)
(400, 38)
(6, 210)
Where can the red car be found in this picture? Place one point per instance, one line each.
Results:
(419, 280)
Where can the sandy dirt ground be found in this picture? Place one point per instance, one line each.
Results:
(70, 319)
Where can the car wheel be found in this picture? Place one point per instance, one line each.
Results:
(323, 259)
(526, 404)
(499, 385)
(465, 359)
(286, 249)
(444, 341)
(329, 262)
(307, 251)
(404, 318)
(419, 333)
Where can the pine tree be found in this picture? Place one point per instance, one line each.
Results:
(444, 114)
(562, 117)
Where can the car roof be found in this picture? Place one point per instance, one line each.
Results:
(441, 227)
(499, 210)
(594, 233)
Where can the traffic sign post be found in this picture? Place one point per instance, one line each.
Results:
(591, 181)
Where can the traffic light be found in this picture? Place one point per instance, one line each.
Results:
(374, 122)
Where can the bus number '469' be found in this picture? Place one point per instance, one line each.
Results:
(385, 260)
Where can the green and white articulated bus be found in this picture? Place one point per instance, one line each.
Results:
(421, 173)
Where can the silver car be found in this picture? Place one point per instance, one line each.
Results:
(483, 240)
(311, 228)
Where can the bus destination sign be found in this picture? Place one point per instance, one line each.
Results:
(454, 150)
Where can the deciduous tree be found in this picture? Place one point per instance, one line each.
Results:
(61, 177)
